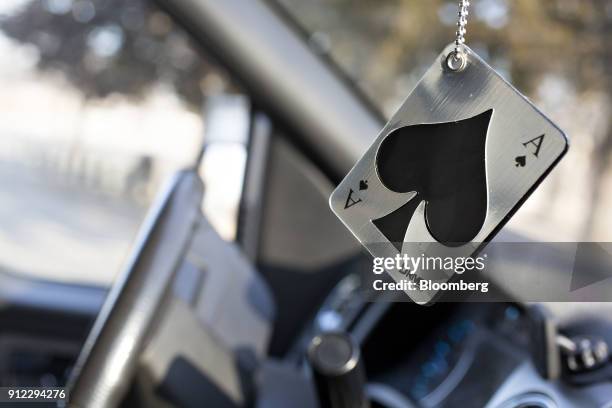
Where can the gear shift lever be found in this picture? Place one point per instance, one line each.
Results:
(338, 371)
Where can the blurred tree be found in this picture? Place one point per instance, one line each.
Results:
(110, 46)
(584, 55)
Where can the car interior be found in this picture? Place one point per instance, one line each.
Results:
(196, 320)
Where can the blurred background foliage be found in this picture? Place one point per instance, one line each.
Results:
(378, 41)
(111, 46)
(107, 46)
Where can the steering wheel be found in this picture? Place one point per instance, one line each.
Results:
(108, 360)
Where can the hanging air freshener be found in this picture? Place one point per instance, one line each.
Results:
(452, 165)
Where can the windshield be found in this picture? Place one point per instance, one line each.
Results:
(101, 101)
(555, 52)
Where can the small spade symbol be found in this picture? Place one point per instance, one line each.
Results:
(363, 185)
(520, 161)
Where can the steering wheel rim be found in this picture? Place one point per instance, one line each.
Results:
(103, 371)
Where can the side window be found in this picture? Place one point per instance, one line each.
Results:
(101, 100)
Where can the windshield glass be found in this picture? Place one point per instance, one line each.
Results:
(101, 101)
(555, 52)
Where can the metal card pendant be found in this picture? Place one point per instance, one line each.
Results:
(452, 165)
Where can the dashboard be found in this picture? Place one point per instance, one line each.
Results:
(446, 355)
(43, 326)
(460, 354)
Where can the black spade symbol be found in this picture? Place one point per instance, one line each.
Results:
(444, 163)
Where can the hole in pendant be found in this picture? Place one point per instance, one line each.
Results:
(456, 61)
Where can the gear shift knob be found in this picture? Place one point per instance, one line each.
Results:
(338, 371)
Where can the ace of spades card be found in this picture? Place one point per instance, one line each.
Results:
(453, 164)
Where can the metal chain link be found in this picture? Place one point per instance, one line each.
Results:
(457, 60)
(461, 25)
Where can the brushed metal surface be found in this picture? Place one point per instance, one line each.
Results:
(444, 96)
